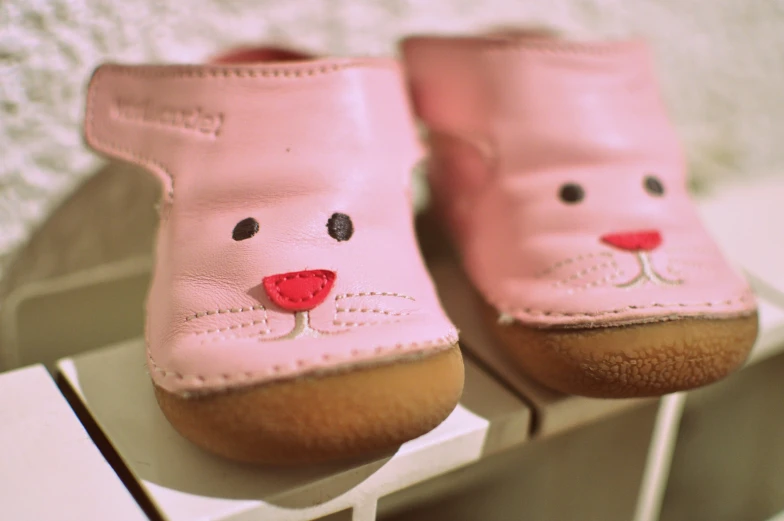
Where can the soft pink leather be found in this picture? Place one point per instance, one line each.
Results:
(512, 121)
(289, 145)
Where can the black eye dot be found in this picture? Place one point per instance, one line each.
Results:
(340, 227)
(653, 186)
(245, 229)
(572, 193)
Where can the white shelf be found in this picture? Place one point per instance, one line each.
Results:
(185, 483)
(777, 517)
(50, 468)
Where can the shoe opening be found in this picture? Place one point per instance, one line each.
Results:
(244, 55)
(513, 34)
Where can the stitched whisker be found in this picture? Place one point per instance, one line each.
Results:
(373, 294)
(222, 311)
(232, 327)
(570, 260)
(601, 282)
(587, 271)
(376, 311)
(370, 323)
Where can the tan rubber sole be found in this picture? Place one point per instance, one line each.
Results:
(315, 419)
(629, 361)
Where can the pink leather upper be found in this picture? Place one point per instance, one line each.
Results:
(289, 146)
(515, 123)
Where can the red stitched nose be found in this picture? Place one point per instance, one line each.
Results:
(299, 290)
(644, 240)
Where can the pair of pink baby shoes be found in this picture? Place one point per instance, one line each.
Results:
(291, 318)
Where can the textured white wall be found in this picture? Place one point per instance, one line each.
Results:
(721, 63)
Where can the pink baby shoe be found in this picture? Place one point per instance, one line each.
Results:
(562, 183)
(290, 319)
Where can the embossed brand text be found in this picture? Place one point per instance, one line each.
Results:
(190, 119)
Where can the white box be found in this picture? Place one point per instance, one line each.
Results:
(51, 470)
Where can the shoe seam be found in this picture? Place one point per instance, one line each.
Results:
(299, 367)
(233, 71)
(500, 45)
(125, 152)
(746, 297)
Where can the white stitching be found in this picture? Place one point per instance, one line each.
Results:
(378, 311)
(235, 326)
(595, 284)
(373, 294)
(570, 260)
(222, 311)
(586, 271)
